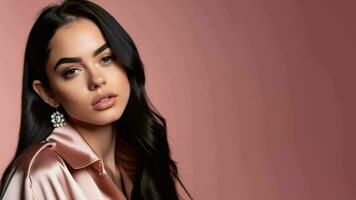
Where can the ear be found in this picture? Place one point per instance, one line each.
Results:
(44, 94)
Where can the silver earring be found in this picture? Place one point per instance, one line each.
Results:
(57, 119)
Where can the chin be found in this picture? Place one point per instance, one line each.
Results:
(100, 118)
(106, 118)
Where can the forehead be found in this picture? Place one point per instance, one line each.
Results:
(76, 39)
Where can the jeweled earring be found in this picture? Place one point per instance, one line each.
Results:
(57, 119)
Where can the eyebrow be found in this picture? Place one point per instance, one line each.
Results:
(77, 59)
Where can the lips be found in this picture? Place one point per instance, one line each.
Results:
(98, 98)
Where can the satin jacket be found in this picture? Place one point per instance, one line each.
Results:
(64, 166)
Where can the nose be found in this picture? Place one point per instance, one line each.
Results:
(97, 80)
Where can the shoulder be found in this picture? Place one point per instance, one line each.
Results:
(36, 166)
(38, 159)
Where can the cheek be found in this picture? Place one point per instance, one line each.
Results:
(124, 85)
(76, 102)
(125, 88)
(72, 94)
(118, 79)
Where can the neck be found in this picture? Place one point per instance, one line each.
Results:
(101, 139)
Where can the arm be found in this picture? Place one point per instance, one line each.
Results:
(17, 186)
(25, 187)
(34, 176)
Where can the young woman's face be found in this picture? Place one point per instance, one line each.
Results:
(87, 70)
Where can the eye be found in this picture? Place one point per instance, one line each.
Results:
(69, 73)
(106, 59)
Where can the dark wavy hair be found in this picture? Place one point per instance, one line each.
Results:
(140, 126)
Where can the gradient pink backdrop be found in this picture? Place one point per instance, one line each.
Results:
(258, 95)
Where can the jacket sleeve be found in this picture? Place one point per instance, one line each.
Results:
(36, 175)
(44, 185)
(17, 186)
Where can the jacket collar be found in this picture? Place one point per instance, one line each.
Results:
(72, 147)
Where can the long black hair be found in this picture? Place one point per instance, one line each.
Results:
(140, 126)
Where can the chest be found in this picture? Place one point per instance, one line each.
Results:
(91, 184)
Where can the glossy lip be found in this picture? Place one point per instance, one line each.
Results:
(98, 97)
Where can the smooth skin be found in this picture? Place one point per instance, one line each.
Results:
(74, 85)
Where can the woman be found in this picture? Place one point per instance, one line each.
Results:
(88, 129)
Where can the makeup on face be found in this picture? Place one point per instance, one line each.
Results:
(91, 86)
(78, 59)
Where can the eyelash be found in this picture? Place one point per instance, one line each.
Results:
(110, 56)
(65, 73)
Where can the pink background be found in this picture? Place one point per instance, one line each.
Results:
(258, 95)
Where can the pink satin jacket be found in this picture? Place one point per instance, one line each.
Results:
(64, 167)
